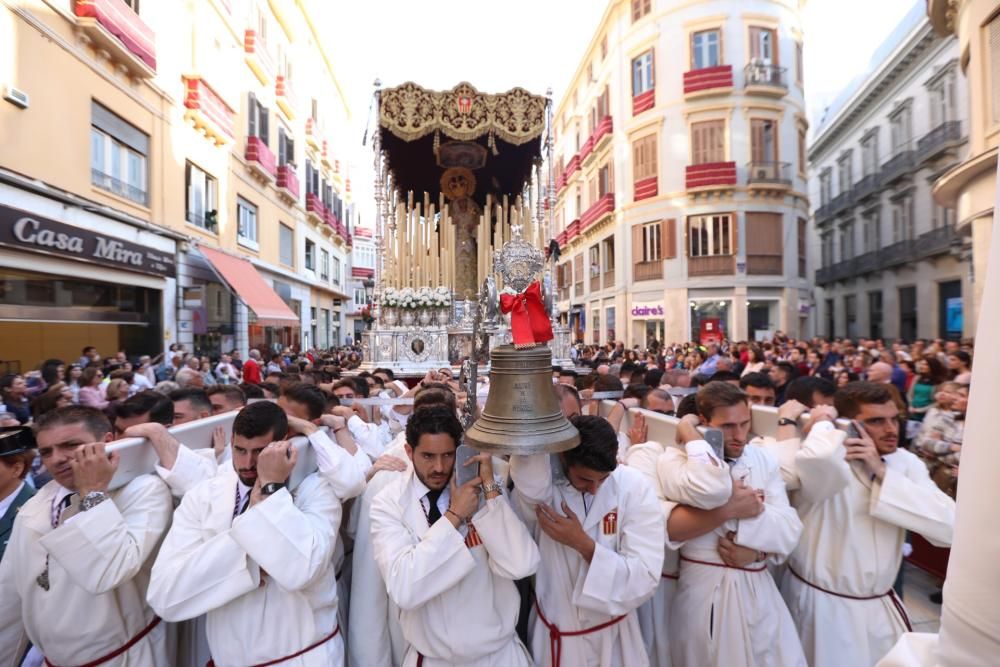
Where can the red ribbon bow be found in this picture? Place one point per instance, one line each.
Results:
(529, 324)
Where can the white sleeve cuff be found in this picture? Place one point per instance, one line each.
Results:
(701, 451)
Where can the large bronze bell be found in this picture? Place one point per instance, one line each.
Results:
(521, 415)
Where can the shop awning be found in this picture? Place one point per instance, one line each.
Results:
(246, 283)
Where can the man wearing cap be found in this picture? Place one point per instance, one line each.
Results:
(17, 450)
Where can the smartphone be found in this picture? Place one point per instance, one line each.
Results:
(716, 441)
(465, 473)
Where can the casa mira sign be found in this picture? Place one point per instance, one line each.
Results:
(22, 230)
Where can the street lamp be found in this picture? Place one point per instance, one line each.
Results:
(369, 285)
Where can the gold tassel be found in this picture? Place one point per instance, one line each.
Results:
(437, 142)
(493, 144)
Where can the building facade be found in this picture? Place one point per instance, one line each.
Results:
(362, 269)
(679, 162)
(215, 207)
(970, 187)
(889, 261)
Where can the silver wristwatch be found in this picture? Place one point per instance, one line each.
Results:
(490, 488)
(92, 499)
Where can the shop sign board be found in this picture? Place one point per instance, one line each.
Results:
(26, 231)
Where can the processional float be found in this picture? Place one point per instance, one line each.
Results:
(463, 210)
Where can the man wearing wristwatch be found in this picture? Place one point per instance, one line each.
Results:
(449, 564)
(254, 556)
(73, 579)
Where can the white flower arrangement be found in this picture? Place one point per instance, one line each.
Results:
(442, 297)
(408, 298)
(390, 297)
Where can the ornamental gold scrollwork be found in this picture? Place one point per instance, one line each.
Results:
(411, 112)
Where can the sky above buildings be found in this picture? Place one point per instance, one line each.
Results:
(537, 44)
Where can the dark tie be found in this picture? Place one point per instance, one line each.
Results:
(433, 513)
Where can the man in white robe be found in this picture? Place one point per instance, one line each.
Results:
(727, 610)
(375, 638)
(599, 531)
(74, 576)
(839, 581)
(448, 564)
(254, 557)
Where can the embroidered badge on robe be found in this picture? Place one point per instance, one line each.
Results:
(610, 522)
(472, 539)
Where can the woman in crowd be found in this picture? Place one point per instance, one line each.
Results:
(930, 373)
(90, 388)
(960, 365)
(13, 390)
(56, 396)
(755, 360)
(206, 372)
(72, 380)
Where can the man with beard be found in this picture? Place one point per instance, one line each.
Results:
(727, 610)
(73, 578)
(449, 564)
(840, 589)
(255, 556)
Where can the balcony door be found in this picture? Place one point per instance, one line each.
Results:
(762, 46)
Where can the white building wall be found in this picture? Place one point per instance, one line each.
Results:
(900, 81)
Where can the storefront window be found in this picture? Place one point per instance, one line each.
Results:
(762, 318)
(710, 320)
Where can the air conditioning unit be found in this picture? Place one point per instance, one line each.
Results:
(17, 97)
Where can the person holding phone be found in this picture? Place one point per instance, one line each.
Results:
(449, 561)
(74, 577)
(255, 556)
(840, 577)
(727, 610)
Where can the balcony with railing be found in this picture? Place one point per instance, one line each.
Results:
(315, 210)
(643, 101)
(713, 265)
(260, 159)
(284, 96)
(602, 133)
(935, 242)
(288, 181)
(708, 81)
(602, 207)
(900, 165)
(940, 139)
(867, 186)
(867, 263)
(595, 283)
(898, 253)
(257, 57)
(647, 271)
(822, 213)
(313, 134)
(769, 175)
(646, 188)
(112, 26)
(207, 111)
(710, 176)
(844, 200)
(119, 187)
(765, 79)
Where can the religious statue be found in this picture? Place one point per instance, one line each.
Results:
(459, 185)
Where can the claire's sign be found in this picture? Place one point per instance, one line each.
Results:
(21, 229)
(652, 310)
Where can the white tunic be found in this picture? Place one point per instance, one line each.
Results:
(265, 580)
(454, 587)
(725, 616)
(852, 545)
(98, 570)
(654, 614)
(626, 523)
(374, 636)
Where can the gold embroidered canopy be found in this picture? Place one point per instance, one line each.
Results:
(424, 132)
(411, 112)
